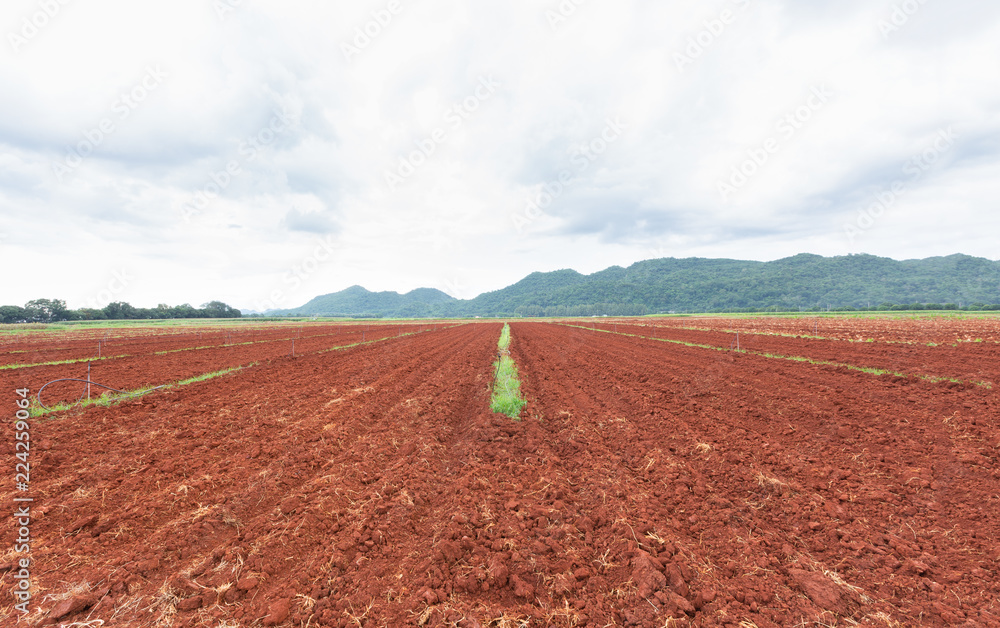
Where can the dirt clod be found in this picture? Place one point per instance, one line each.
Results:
(820, 589)
(73, 605)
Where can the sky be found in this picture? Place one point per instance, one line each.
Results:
(262, 153)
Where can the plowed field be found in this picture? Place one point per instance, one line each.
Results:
(976, 362)
(647, 483)
(128, 363)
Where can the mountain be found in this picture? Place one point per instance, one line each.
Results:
(358, 302)
(535, 289)
(802, 282)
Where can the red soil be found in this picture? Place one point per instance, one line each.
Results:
(131, 372)
(646, 481)
(888, 483)
(87, 343)
(966, 361)
(941, 329)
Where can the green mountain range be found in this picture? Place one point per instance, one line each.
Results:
(358, 302)
(800, 283)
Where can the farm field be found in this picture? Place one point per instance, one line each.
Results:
(127, 360)
(919, 328)
(952, 357)
(647, 482)
(83, 344)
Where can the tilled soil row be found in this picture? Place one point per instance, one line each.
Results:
(916, 329)
(780, 492)
(136, 372)
(289, 488)
(968, 362)
(648, 484)
(45, 346)
(54, 349)
(18, 340)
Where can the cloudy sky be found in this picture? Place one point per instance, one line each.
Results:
(263, 152)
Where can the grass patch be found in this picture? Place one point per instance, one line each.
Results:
(105, 400)
(109, 398)
(7, 367)
(506, 397)
(212, 375)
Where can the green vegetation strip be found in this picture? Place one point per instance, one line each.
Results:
(506, 397)
(795, 358)
(107, 400)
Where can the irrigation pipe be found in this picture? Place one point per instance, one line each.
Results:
(91, 383)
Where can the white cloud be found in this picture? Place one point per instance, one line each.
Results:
(652, 192)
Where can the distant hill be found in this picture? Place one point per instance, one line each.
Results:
(358, 302)
(803, 282)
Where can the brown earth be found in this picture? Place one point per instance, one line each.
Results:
(938, 328)
(131, 372)
(647, 484)
(750, 468)
(39, 347)
(967, 361)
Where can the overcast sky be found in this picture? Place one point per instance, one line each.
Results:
(262, 152)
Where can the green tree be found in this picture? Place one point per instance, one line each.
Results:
(119, 310)
(218, 309)
(13, 314)
(47, 310)
(90, 314)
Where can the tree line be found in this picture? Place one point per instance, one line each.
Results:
(55, 310)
